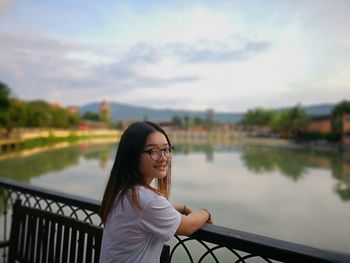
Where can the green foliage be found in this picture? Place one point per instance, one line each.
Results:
(50, 140)
(312, 136)
(289, 120)
(4, 96)
(177, 121)
(258, 117)
(187, 122)
(292, 120)
(91, 116)
(337, 115)
(16, 115)
(38, 114)
(117, 125)
(4, 101)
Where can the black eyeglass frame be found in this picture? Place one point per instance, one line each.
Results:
(162, 152)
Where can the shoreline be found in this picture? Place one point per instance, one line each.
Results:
(57, 139)
(35, 150)
(38, 141)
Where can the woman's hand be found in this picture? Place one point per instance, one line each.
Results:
(210, 219)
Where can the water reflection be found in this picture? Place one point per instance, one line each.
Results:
(292, 163)
(263, 190)
(103, 153)
(295, 163)
(186, 149)
(22, 169)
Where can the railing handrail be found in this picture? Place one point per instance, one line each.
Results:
(76, 200)
(267, 246)
(263, 246)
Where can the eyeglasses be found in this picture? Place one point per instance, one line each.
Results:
(156, 153)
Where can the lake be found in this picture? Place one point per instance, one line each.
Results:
(290, 194)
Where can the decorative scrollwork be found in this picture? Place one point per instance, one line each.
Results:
(210, 244)
(9, 196)
(211, 252)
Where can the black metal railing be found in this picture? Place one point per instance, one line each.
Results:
(210, 244)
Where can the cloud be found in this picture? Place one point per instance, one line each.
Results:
(4, 5)
(143, 53)
(128, 74)
(35, 66)
(217, 52)
(226, 55)
(48, 64)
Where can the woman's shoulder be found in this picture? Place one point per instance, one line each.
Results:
(147, 195)
(147, 191)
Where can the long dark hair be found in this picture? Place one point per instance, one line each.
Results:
(125, 174)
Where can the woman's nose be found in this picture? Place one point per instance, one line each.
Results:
(162, 156)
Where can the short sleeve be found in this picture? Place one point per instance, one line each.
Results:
(160, 218)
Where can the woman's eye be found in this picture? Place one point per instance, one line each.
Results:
(153, 151)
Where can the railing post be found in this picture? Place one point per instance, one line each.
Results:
(165, 256)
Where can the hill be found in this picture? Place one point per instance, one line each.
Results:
(319, 109)
(125, 112)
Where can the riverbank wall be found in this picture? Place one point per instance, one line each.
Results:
(22, 136)
(225, 139)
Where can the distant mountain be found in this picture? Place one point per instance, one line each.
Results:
(125, 112)
(319, 109)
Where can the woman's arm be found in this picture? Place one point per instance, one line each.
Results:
(192, 222)
(183, 209)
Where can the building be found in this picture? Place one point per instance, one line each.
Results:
(346, 130)
(210, 115)
(55, 105)
(73, 109)
(321, 124)
(104, 111)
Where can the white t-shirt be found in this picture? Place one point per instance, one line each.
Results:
(131, 235)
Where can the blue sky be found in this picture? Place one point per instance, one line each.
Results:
(226, 55)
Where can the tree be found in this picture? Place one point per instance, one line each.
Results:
(39, 114)
(259, 117)
(292, 120)
(186, 122)
(177, 121)
(4, 101)
(15, 116)
(4, 96)
(73, 119)
(337, 115)
(91, 116)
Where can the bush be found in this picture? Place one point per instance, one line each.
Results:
(318, 136)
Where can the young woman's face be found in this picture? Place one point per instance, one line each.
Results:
(150, 166)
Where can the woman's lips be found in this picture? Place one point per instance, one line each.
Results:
(160, 167)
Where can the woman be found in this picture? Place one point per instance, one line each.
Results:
(137, 217)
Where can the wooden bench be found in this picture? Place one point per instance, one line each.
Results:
(42, 236)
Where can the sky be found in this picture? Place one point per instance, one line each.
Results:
(225, 55)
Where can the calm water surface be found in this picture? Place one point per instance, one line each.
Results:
(294, 195)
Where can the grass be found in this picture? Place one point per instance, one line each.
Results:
(50, 140)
